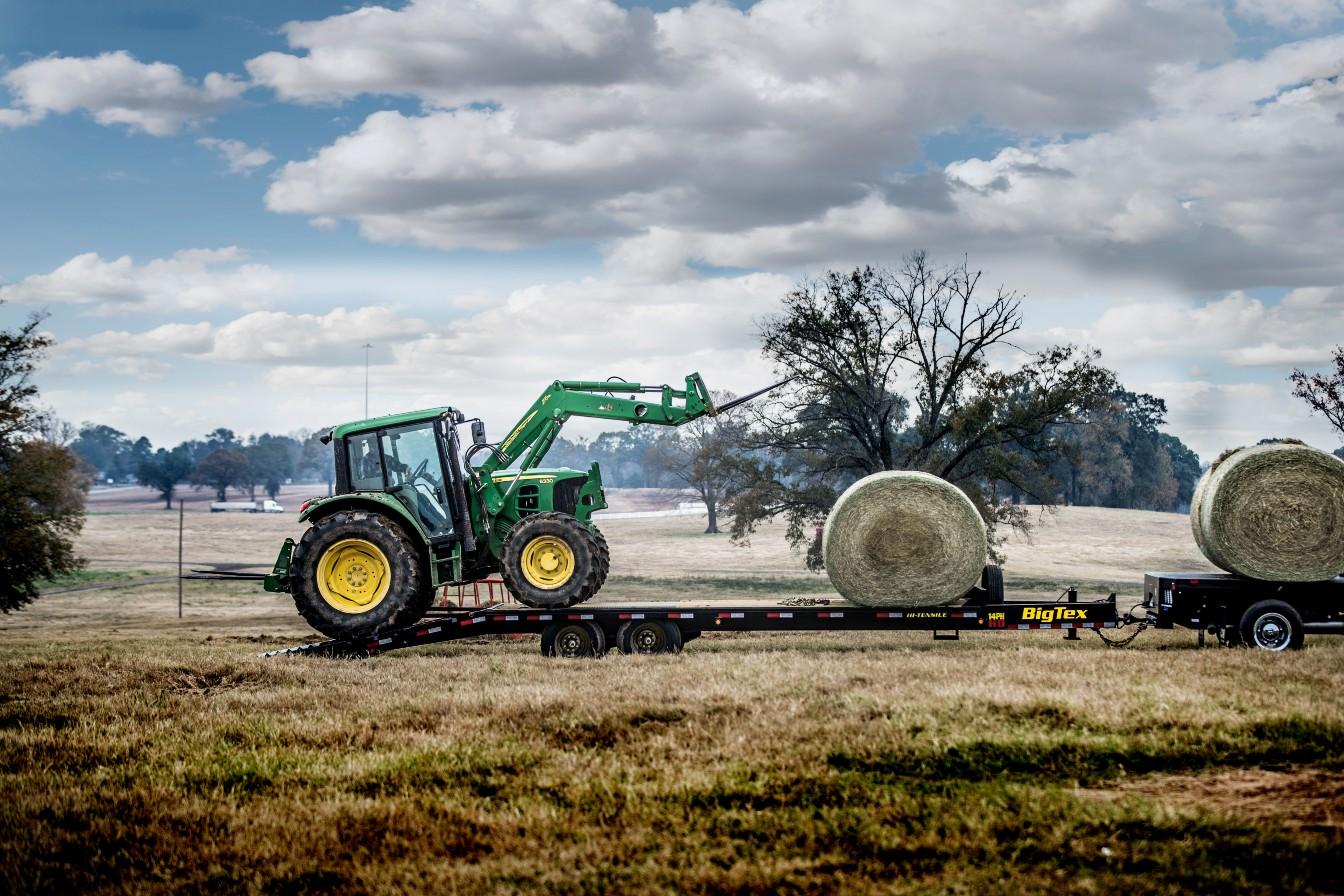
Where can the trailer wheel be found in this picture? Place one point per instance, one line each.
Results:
(648, 636)
(1272, 625)
(548, 561)
(355, 573)
(573, 640)
(992, 581)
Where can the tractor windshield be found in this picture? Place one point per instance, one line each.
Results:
(415, 475)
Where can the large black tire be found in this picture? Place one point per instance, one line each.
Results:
(649, 636)
(601, 556)
(573, 640)
(550, 561)
(352, 542)
(992, 582)
(602, 553)
(1272, 625)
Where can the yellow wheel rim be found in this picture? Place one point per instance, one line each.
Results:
(547, 562)
(353, 575)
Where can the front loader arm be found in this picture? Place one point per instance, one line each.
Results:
(534, 434)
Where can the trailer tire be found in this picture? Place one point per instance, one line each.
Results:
(992, 582)
(573, 640)
(1272, 625)
(355, 574)
(648, 636)
(548, 561)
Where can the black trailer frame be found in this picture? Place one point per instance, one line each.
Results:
(1238, 610)
(660, 628)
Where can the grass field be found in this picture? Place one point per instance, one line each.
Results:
(146, 753)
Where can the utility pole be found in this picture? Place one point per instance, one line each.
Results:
(367, 346)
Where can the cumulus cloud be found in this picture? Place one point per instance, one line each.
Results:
(1234, 180)
(1298, 330)
(548, 120)
(261, 337)
(1291, 13)
(115, 88)
(241, 158)
(449, 51)
(190, 279)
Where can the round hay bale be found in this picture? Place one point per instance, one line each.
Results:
(1273, 512)
(903, 539)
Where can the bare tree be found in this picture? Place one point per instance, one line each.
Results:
(867, 351)
(1324, 392)
(704, 455)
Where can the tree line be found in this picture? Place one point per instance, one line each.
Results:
(220, 461)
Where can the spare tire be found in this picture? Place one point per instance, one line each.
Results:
(1273, 512)
(904, 539)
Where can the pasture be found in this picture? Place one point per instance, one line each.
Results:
(146, 753)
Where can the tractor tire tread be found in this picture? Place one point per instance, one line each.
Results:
(586, 579)
(408, 595)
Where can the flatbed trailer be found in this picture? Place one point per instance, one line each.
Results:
(1242, 611)
(665, 627)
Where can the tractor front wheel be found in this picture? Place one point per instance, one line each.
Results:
(355, 574)
(550, 560)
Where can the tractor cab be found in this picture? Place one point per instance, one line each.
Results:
(406, 462)
(412, 460)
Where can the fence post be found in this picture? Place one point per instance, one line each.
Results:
(181, 513)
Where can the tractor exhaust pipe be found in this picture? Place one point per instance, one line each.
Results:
(746, 398)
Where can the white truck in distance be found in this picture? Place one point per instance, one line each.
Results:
(267, 506)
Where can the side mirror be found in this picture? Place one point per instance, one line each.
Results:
(477, 432)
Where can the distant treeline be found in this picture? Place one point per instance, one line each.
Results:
(220, 461)
(1117, 459)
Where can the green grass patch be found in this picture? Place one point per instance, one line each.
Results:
(91, 577)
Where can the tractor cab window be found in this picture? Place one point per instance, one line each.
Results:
(366, 468)
(415, 475)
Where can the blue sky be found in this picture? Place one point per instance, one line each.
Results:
(217, 208)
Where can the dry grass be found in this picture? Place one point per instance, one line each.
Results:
(142, 753)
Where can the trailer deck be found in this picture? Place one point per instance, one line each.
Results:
(620, 625)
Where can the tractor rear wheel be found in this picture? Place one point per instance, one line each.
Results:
(549, 560)
(355, 574)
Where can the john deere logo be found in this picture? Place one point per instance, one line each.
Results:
(1054, 614)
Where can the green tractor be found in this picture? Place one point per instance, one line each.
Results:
(412, 512)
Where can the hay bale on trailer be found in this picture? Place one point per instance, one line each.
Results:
(1273, 512)
(903, 539)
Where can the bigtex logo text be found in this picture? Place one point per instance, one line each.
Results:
(1054, 614)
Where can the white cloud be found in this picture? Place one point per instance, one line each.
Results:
(496, 361)
(261, 337)
(1291, 13)
(448, 51)
(1299, 330)
(191, 279)
(115, 88)
(143, 369)
(184, 339)
(240, 157)
(550, 120)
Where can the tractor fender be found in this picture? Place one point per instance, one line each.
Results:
(376, 502)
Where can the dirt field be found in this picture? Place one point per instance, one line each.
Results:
(146, 753)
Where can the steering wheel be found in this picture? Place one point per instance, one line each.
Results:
(422, 473)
